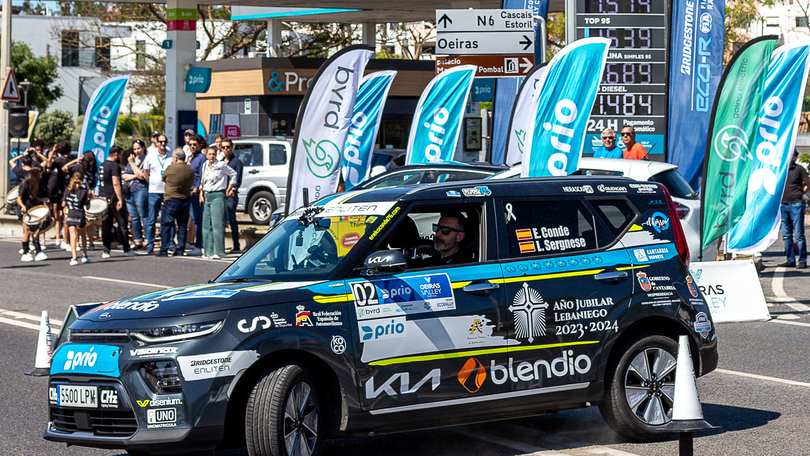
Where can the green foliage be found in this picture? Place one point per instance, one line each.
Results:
(804, 157)
(54, 126)
(39, 71)
(555, 31)
(384, 54)
(131, 128)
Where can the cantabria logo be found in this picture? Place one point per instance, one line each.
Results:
(323, 158)
(731, 144)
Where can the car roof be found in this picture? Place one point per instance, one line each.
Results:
(636, 169)
(289, 139)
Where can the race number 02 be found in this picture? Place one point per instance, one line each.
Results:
(365, 293)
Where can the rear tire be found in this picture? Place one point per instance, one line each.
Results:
(640, 387)
(283, 416)
(261, 207)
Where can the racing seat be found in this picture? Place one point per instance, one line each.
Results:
(405, 237)
(470, 243)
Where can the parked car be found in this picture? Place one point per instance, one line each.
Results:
(264, 179)
(572, 292)
(687, 201)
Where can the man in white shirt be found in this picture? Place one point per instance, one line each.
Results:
(153, 148)
(153, 166)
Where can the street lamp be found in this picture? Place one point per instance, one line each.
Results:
(25, 85)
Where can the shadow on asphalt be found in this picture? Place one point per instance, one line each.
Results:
(24, 266)
(732, 418)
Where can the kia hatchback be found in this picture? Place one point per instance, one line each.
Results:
(348, 319)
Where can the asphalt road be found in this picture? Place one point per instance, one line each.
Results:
(759, 394)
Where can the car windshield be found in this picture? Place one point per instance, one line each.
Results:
(297, 250)
(676, 184)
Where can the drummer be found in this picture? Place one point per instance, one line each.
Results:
(89, 167)
(57, 159)
(76, 200)
(32, 193)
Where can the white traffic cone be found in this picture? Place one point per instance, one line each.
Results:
(42, 362)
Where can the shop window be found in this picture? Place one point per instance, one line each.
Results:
(70, 48)
(140, 56)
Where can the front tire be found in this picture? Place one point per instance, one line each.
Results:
(640, 388)
(261, 206)
(283, 413)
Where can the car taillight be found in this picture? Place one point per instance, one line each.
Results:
(680, 237)
(681, 210)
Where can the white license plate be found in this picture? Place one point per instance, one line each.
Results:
(77, 396)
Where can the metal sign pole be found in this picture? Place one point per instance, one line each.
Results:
(5, 62)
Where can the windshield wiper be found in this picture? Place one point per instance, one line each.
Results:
(245, 279)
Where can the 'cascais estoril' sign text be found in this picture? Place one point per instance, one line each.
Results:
(323, 123)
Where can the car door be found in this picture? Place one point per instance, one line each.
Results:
(278, 156)
(253, 159)
(565, 291)
(425, 336)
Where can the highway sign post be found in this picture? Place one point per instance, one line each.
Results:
(490, 66)
(11, 92)
(497, 20)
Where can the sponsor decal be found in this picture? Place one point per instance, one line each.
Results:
(279, 322)
(652, 253)
(212, 294)
(641, 255)
(109, 398)
(105, 315)
(402, 379)
(338, 345)
(472, 375)
(152, 352)
(702, 324)
(578, 189)
(146, 306)
(659, 222)
(402, 295)
(349, 240)
(384, 328)
(690, 284)
(302, 316)
(476, 191)
(525, 371)
(529, 311)
(385, 222)
(212, 365)
(542, 239)
(53, 395)
(579, 329)
(581, 309)
(86, 359)
(644, 281)
(656, 203)
(644, 188)
(161, 418)
(608, 189)
(327, 318)
(261, 322)
(454, 194)
(159, 402)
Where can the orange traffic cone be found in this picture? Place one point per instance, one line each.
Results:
(42, 362)
(687, 414)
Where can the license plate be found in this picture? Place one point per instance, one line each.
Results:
(77, 396)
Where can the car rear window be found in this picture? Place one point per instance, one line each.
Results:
(548, 227)
(676, 184)
(616, 214)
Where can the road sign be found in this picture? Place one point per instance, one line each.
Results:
(476, 43)
(11, 91)
(490, 66)
(488, 20)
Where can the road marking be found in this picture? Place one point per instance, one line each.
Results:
(778, 288)
(19, 323)
(794, 323)
(143, 284)
(763, 377)
(509, 443)
(26, 316)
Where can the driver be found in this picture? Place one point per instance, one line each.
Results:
(449, 233)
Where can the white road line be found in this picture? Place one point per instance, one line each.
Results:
(19, 323)
(778, 288)
(143, 284)
(794, 323)
(763, 377)
(26, 316)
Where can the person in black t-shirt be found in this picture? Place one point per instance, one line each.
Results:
(792, 210)
(89, 167)
(109, 187)
(76, 199)
(449, 233)
(57, 159)
(31, 193)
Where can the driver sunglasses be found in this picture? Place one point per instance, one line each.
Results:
(444, 229)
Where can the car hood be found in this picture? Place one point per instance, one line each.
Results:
(200, 299)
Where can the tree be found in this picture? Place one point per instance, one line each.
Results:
(739, 15)
(555, 32)
(54, 126)
(39, 71)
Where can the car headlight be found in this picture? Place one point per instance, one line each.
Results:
(174, 333)
(162, 377)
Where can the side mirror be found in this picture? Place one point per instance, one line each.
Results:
(384, 263)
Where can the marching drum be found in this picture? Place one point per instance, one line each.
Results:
(38, 219)
(11, 200)
(97, 212)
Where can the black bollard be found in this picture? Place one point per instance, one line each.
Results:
(685, 444)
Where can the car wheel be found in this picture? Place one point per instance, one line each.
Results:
(283, 413)
(640, 387)
(261, 207)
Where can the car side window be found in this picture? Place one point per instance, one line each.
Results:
(405, 178)
(536, 228)
(250, 154)
(454, 176)
(617, 214)
(278, 155)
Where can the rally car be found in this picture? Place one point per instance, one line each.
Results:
(344, 320)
